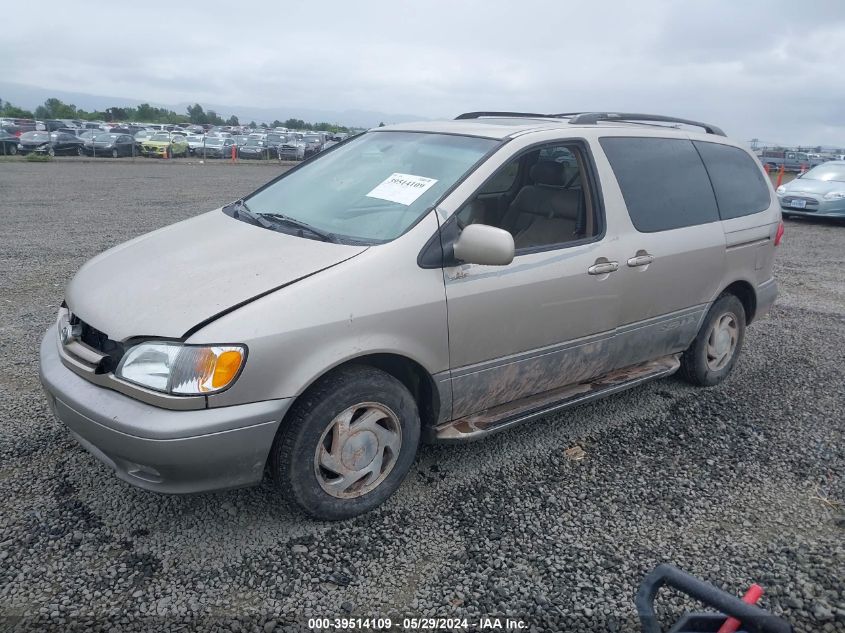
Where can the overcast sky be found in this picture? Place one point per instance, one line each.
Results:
(768, 69)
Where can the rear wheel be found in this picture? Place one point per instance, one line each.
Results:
(347, 444)
(80, 151)
(713, 353)
(12, 150)
(51, 151)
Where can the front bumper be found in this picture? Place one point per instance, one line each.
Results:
(154, 150)
(161, 449)
(816, 206)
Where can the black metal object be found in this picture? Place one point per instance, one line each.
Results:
(591, 118)
(508, 115)
(753, 619)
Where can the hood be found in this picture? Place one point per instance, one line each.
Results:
(157, 143)
(168, 281)
(818, 187)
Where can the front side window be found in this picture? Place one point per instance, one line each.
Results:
(541, 197)
(373, 188)
(663, 182)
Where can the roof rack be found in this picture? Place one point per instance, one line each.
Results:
(591, 118)
(478, 115)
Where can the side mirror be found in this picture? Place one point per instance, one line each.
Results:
(484, 244)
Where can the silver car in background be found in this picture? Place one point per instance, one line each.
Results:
(819, 192)
(440, 280)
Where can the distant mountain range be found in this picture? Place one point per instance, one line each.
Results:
(30, 97)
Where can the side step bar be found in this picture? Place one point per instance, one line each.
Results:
(504, 416)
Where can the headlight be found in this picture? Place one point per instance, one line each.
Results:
(780, 190)
(182, 369)
(834, 195)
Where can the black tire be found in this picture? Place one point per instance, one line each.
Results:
(13, 149)
(786, 216)
(80, 151)
(696, 366)
(51, 151)
(293, 458)
(115, 153)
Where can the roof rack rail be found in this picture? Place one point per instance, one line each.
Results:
(478, 115)
(591, 118)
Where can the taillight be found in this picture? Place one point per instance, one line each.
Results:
(779, 234)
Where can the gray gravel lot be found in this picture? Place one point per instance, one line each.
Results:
(736, 484)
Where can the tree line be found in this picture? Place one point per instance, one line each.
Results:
(56, 109)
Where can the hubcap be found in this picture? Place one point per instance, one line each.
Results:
(358, 450)
(721, 341)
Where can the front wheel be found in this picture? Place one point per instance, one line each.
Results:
(51, 151)
(347, 444)
(713, 353)
(115, 153)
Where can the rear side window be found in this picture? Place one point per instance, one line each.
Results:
(737, 181)
(663, 181)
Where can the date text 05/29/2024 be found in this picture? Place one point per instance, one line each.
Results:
(417, 624)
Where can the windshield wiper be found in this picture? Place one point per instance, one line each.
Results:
(243, 211)
(281, 218)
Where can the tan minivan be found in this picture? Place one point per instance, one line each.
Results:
(438, 280)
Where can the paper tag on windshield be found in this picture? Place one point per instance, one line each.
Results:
(402, 188)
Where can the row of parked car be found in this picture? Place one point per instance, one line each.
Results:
(157, 141)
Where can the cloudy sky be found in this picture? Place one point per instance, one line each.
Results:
(766, 69)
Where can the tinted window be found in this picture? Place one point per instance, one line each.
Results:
(663, 181)
(737, 181)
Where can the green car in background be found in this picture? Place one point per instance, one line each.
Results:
(165, 145)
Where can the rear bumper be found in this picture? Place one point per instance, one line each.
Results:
(159, 449)
(767, 293)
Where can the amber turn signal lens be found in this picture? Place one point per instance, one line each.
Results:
(226, 368)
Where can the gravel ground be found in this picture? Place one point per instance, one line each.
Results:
(737, 484)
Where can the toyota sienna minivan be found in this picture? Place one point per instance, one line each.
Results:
(435, 281)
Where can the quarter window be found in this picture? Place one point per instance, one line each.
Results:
(737, 181)
(663, 181)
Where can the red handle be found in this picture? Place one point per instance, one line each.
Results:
(751, 597)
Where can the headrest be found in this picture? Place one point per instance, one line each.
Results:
(547, 172)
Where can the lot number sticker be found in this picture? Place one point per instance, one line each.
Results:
(402, 188)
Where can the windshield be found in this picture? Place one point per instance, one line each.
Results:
(214, 140)
(105, 138)
(312, 139)
(161, 136)
(373, 188)
(827, 172)
(254, 142)
(38, 137)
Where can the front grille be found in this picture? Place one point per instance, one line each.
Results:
(100, 341)
(787, 200)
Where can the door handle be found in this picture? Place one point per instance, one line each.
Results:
(640, 260)
(602, 268)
